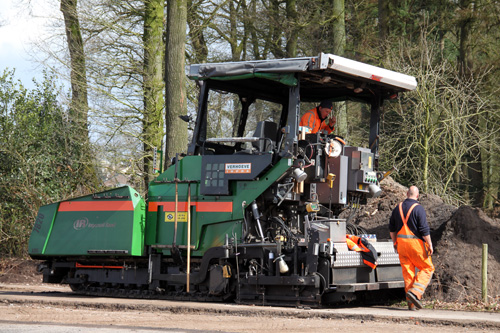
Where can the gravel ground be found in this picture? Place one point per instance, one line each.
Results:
(38, 308)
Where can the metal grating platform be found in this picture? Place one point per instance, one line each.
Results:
(347, 258)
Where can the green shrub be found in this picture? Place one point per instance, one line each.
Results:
(40, 159)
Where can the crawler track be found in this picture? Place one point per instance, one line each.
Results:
(121, 292)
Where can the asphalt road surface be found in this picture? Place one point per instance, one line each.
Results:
(49, 308)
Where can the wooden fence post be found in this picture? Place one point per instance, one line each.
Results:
(484, 274)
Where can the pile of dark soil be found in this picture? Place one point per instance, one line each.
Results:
(19, 271)
(457, 234)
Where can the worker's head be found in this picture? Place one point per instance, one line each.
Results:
(412, 193)
(324, 108)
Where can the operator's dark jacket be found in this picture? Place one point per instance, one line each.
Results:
(417, 221)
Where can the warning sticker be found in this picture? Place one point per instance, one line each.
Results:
(238, 168)
(181, 216)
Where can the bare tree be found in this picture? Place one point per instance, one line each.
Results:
(125, 66)
(199, 47)
(79, 96)
(431, 133)
(175, 79)
(152, 120)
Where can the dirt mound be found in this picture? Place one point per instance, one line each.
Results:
(459, 252)
(19, 271)
(457, 234)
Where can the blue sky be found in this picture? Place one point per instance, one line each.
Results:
(18, 29)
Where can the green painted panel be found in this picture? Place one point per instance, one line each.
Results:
(157, 230)
(139, 228)
(165, 230)
(151, 226)
(41, 229)
(106, 223)
(76, 233)
(215, 234)
(189, 168)
(208, 228)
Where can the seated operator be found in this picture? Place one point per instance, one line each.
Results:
(315, 118)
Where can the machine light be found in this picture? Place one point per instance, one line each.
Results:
(374, 190)
(299, 175)
(333, 148)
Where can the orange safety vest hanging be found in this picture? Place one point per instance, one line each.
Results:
(368, 252)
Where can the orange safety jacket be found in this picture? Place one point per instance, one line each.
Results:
(367, 250)
(312, 120)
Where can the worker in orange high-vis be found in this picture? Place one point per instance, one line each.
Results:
(410, 234)
(316, 118)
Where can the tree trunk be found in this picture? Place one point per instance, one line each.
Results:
(254, 39)
(152, 130)
(236, 45)
(338, 27)
(426, 149)
(464, 26)
(339, 43)
(79, 100)
(175, 80)
(383, 19)
(275, 25)
(199, 44)
(293, 31)
(475, 164)
(490, 178)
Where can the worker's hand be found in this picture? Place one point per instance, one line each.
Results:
(332, 121)
(430, 249)
(395, 246)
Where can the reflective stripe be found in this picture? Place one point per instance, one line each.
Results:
(412, 255)
(419, 285)
(417, 292)
(311, 121)
(408, 236)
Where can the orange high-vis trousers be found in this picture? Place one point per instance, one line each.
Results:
(413, 254)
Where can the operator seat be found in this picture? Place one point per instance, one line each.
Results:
(268, 130)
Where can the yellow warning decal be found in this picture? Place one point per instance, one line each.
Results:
(369, 162)
(181, 216)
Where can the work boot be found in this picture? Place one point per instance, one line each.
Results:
(412, 307)
(414, 300)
